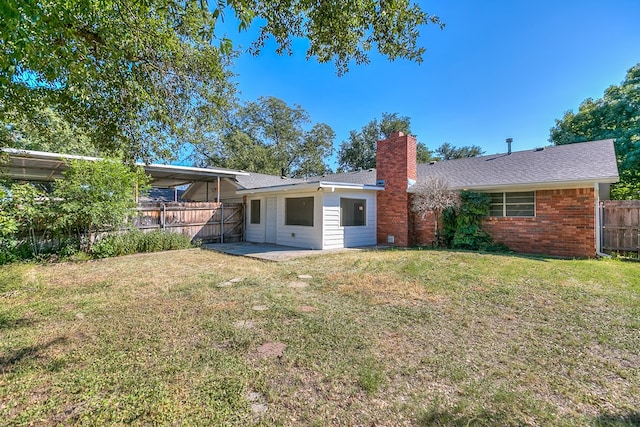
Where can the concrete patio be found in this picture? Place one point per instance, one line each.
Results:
(271, 252)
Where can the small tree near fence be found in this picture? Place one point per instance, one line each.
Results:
(96, 196)
(433, 195)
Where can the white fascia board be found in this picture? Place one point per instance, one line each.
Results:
(43, 155)
(189, 170)
(538, 186)
(349, 186)
(306, 186)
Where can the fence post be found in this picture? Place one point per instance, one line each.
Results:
(163, 214)
(221, 222)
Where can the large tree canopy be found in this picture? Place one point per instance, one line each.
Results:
(449, 152)
(615, 115)
(45, 130)
(359, 151)
(269, 136)
(141, 77)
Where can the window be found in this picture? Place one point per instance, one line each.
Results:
(299, 211)
(255, 212)
(521, 203)
(353, 212)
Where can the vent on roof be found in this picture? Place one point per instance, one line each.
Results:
(433, 162)
(538, 149)
(509, 141)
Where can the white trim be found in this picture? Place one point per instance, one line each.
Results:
(551, 185)
(306, 186)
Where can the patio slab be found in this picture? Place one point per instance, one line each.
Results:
(271, 252)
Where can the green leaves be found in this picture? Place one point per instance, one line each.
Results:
(97, 196)
(359, 152)
(269, 136)
(449, 152)
(132, 74)
(614, 116)
(142, 78)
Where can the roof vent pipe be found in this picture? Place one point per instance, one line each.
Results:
(509, 141)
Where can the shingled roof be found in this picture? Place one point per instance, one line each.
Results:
(581, 163)
(573, 164)
(260, 180)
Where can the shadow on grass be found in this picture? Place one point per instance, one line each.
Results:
(8, 322)
(8, 362)
(628, 419)
(440, 417)
(531, 257)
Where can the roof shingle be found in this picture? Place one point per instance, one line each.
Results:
(593, 161)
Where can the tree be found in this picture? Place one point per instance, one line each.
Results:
(423, 154)
(449, 152)
(269, 136)
(96, 196)
(615, 115)
(23, 208)
(359, 151)
(45, 130)
(142, 77)
(433, 195)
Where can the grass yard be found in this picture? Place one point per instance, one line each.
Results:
(384, 338)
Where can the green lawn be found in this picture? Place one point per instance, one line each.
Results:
(372, 338)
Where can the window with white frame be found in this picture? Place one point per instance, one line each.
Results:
(520, 203)
(298, 211)
(353, 212)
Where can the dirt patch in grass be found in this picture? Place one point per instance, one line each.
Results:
(384, 288)
(271, 349)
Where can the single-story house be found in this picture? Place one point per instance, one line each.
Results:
(543, 201)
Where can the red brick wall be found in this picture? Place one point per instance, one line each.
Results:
(423, 231)
(395, 164)
(563, 226)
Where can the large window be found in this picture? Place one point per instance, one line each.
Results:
(521, 203)
(255, 211)
(299, 211)
(353, 212)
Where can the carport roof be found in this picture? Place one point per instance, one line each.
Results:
(31, 165)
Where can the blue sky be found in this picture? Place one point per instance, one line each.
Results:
(499, 69)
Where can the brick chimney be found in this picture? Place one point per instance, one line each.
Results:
(396, 166)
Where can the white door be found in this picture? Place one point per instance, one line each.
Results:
(271, 222)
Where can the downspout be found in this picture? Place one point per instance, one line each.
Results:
(599, 230)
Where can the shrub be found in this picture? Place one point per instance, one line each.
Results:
(462, 227)
(135, 241)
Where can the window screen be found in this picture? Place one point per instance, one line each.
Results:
(299, 211)
(353, 212)
(521, 203)
(255, 212)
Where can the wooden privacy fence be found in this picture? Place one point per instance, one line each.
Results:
(208, 222)
(621, 227)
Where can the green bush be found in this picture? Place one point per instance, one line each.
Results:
(12, 250)
(462, 227)
(136, 241)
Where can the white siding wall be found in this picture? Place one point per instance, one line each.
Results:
(336, 236)
(326, 232)
(298, 235)
(255, 232)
